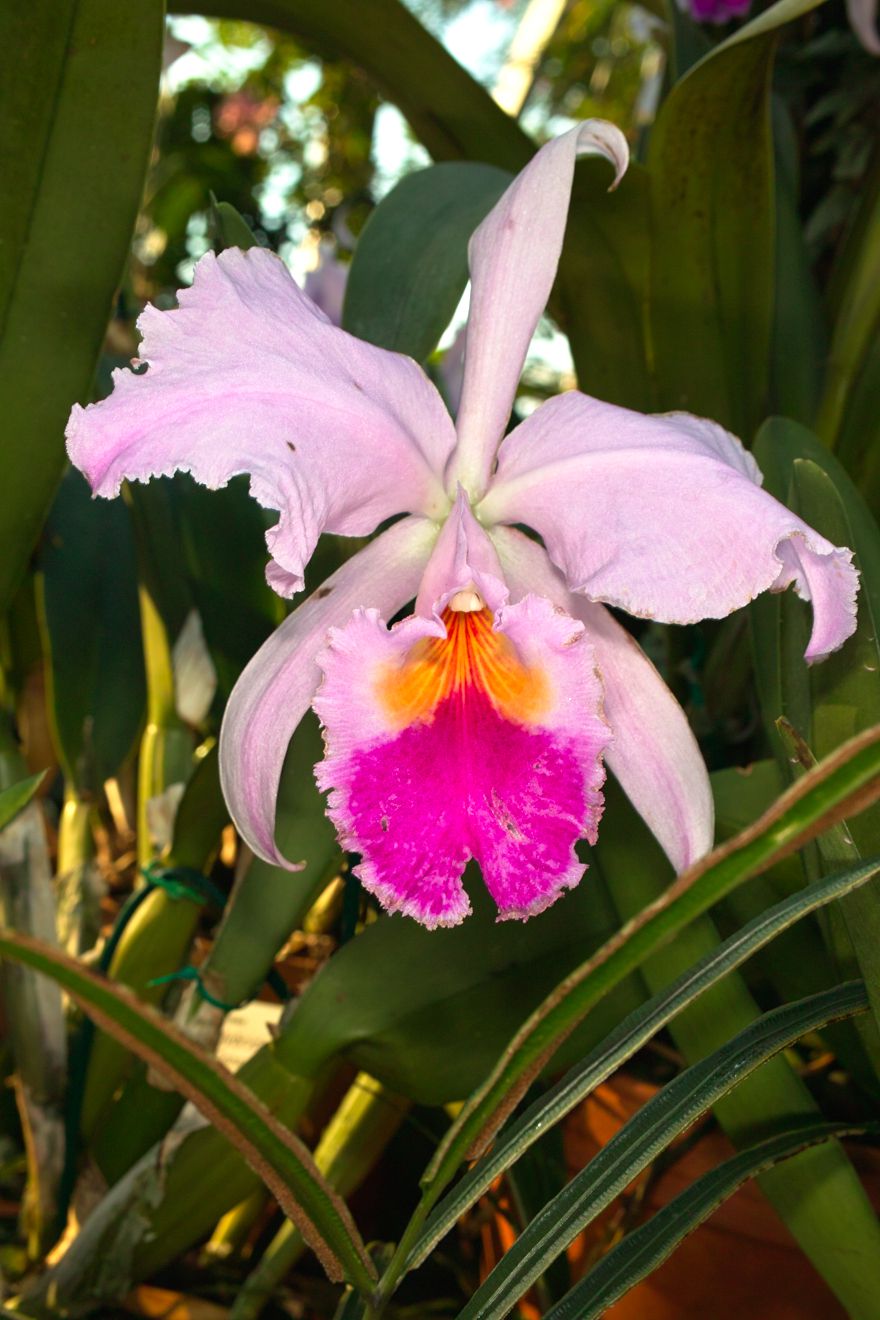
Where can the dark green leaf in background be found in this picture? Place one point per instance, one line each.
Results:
(426, 1012)
(91, 617)
(78, 85)
(15, 797)
(410, 265)
(711, 163)
(223, 536)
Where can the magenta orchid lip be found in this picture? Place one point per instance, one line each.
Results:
(662, 516)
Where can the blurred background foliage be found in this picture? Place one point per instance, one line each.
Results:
(124, 626)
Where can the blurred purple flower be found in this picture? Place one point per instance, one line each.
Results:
(715, 11)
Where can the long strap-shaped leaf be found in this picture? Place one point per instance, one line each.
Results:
(646, 1247)
(281, 1160)
(841, 785)
(78, 87)
(623, 1042)
(646, 1134)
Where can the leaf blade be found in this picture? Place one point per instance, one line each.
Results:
(78, 169)
(622, 1043)
(648, 1132)
(648, 1246)
(280, 1159)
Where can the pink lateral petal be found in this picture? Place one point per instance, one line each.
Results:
(419, 795)
(653, 753)
(862, 15)
(513, 257)
(664, 517)
(278, 685)
(248, 375)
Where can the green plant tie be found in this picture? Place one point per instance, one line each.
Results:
(190, 973)
(183, 882)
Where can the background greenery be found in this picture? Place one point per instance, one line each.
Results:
(734, 273)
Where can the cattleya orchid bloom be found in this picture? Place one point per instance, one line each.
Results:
(477, 726)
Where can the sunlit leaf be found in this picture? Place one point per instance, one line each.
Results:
(281, 1160)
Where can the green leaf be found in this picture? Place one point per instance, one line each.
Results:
(711, 165)
(78, 98)
(410, 265)
(838, 1231)
(839, 786)
(649, 1132)
(280, 1159)
(856, 325)
(800, 337)
(432, 1023)
(222, 533)
(230, 229)
(710, 160)
(621, 1044)
(201, 814)
(268, 902)
(647, 1247)
(828, 702)
(92, 630)
(16, 797)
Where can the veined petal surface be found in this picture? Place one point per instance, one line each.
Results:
(248, 375)
(513, 257)
(277, 687)
(653, 754)
(460, 736)
(664, 516)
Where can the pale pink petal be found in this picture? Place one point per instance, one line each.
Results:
(482, 741)
(664, 517)
(513, 257)
(653, 753)
(862, 15)
(276, 688)
(464, 559)
(326, 284)
(451, 370)
(249, 376)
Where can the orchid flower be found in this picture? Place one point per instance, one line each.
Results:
(478, 725)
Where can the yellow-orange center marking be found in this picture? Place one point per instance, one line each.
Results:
(471, 656)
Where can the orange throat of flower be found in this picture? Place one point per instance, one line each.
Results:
(471, 659)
